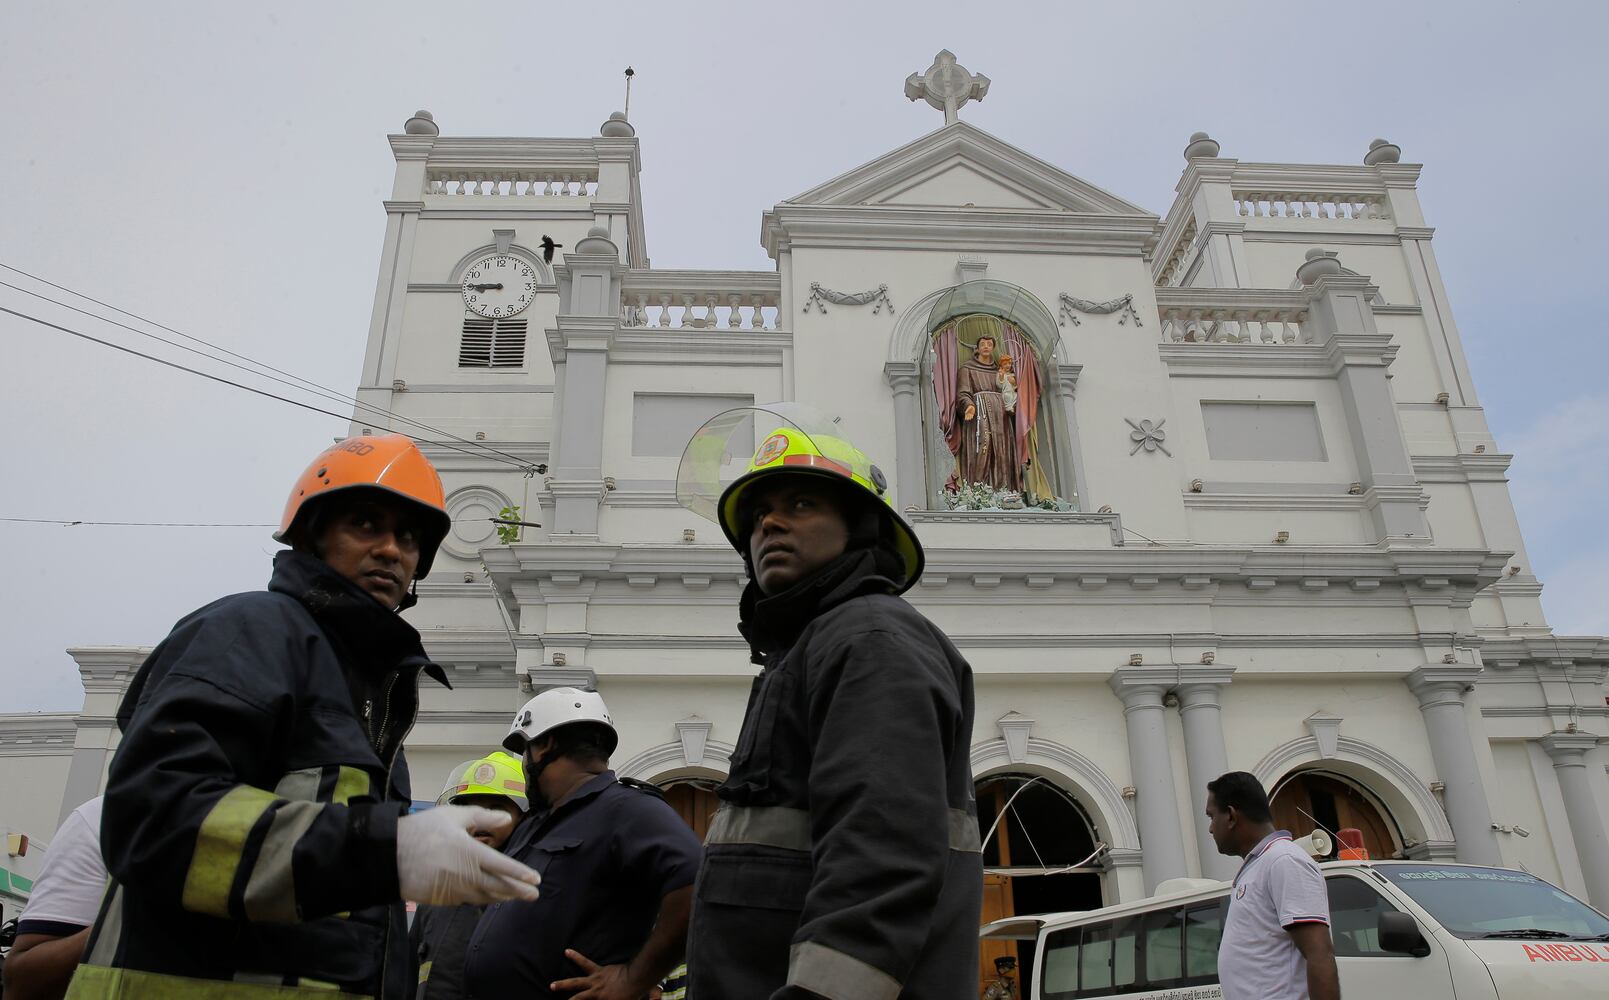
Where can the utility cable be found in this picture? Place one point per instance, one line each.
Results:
(73, 523)
(208, 375)
(306, 384)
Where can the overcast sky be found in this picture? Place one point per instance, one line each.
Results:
(220, 168)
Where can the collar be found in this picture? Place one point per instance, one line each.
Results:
(772, 624)
(1257, 852)
(364, 632)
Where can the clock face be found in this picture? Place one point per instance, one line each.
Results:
(498, 285)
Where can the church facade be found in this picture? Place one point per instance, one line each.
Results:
(1200, 491)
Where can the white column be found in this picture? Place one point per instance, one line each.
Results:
(1575, 774)
(910, 490)
(1141, 690)
(1440, 690)
(1199, 691)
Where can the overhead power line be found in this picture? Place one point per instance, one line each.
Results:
(296, 381)
(523, 466)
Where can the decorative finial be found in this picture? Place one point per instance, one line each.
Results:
(946, 86)
(1381, 151)
(1201, 146)
(617, 127)
(422, 123)
(1319, 263)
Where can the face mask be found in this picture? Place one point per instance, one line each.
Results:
(533, 770)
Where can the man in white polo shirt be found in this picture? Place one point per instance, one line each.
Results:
(55, 924)
(1276, 939)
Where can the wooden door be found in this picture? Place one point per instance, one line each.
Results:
(1332, 801)
(695, 805)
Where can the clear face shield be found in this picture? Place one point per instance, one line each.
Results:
(734, 442)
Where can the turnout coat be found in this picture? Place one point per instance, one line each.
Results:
(844, 862)
(250, 824)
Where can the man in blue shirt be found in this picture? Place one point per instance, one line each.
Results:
(617, 866)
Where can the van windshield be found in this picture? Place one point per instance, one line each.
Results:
(1476, 902)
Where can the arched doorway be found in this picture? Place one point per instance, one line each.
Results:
(1031, 860)
(1306, 799)
(694, 801)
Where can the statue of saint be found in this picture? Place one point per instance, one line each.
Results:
(988, 447)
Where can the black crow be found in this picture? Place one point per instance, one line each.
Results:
(548, 246)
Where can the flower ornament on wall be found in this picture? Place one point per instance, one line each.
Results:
(1148, 436)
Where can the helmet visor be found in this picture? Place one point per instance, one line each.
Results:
(730, 443)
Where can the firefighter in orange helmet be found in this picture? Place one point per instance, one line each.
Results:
(256, 822)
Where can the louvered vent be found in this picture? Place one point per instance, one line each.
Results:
(492, 343)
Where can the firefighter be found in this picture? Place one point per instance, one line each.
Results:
(844, 862)
(440, 934)
(256, 821)
(617, 868)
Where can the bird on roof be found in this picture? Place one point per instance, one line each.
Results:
(548, 246)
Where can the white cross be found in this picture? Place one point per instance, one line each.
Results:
(946, 86)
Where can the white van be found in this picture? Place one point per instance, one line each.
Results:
(1401, 929)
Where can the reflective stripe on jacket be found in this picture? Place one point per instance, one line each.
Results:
(251, 809)
(845, 860)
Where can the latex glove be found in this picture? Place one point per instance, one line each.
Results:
(439, 863)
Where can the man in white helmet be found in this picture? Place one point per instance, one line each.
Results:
(617, 867)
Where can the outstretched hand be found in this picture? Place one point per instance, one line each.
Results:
(601, 982)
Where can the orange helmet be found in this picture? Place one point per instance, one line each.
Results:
(389, 462)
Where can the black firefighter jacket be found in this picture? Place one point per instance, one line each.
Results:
(251, 810)
(844, 862)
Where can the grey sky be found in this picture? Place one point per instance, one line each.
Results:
(220, 169)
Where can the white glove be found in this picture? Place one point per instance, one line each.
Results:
(439, 863)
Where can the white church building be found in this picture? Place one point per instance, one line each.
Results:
(1263, 524)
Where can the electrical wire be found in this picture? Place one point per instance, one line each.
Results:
(306, 385)
(219, 378)
(70, 523)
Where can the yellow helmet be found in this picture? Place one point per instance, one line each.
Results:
(799, 442)
(497, 773)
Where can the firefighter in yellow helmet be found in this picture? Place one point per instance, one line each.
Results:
(844, 862)
(440, 934)
(256, 821)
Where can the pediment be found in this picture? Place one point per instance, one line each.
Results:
(961, 166)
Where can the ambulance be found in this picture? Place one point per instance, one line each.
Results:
(1420, 930)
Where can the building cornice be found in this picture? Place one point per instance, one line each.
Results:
(37, 734)
(963, 230)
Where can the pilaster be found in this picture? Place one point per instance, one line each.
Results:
(904, 378)
(1200, 690)
(1067, 386)
(1580, 787)
(1141, 690)
(1440, 690)
(1342, 321)
(587, 322)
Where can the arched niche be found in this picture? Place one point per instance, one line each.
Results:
(926, 462)
(1419, 818)
(544, 270)
(669, 762)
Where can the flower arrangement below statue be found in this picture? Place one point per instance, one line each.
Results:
(982, 496)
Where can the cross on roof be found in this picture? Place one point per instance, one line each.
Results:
(946, 86)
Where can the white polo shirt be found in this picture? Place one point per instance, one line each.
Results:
(67, 893)
(1278, 885)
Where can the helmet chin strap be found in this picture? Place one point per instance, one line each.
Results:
(533, 771)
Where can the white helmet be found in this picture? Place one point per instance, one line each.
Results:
(557, 707)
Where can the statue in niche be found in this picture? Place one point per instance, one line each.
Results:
(988, 409)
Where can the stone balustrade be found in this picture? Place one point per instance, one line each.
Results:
(1332, 206)
(1260, 316)
(702, 300)
(511, 182)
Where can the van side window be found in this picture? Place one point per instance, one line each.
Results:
(1164, 948)
(1355, 910)
(1203, 926)
(1095, 959)
(1125, 954)
(1059, 965)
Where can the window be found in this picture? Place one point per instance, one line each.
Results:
(1164, 947)
(1095, 959)
(1203, 926)
(1061, 964)
(1355, 909)
(1474, 902)
(492, 343)
(1125, 955)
